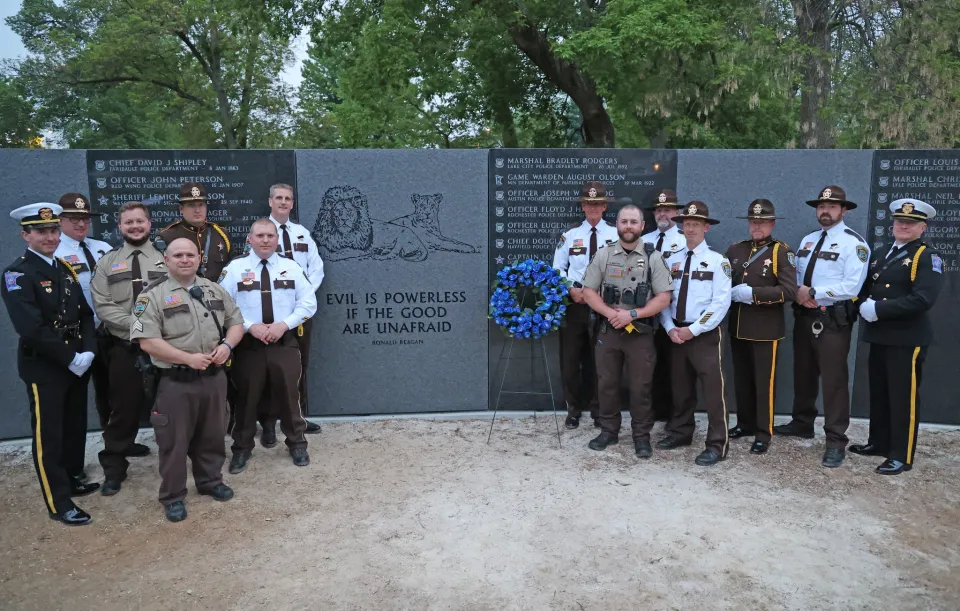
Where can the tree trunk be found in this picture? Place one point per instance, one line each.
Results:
(814, 32)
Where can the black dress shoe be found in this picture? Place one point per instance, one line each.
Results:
(893, 467)
(111, 486)
(669, 443)
(312, 428)
(867, 449)
(738, 431)
(601, 441)
(571, 422)
(137, 450)
(708, 457)
(72, 517)
(80, 489)
(176, 511)
(641, 447)
(833, 457)
(239, 462)
(759, 447)
(596, 423)
(81, 477)
(794, 429)
(268, 438)
(220, 492)
(300, 457)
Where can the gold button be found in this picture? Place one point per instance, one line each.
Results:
(886, 286)
(884, 299)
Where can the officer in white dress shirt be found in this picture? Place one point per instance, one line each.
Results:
(701, 298)
(275, 298)
(294, 243)
(667, 239)
(82, 253)
(831, 268)
(575, 250)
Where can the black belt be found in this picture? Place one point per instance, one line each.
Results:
(181, 373)
(799, 310)
(677, 323)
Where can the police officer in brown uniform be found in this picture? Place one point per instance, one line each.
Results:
(211, 240)
(764, 278)
(121, 275)
(904, 282)
(628, 285)
(275, 297)
(188, 325)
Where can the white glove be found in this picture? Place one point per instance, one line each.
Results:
(80, 363)
(742, 293)
(868, 309)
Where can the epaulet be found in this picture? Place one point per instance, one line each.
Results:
(69, 267)
(170, 226)
(609, 224)
(154, 283)
(222, 235)
(854, 234)
(782, 243)
(116, 248)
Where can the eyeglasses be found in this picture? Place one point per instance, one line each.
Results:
(76, 220)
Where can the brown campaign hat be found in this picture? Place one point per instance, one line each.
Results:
(75, 204)
(594, 193)
(192, 192)
(666, 198)
(834, 195)
(695, 210)
(761, 210)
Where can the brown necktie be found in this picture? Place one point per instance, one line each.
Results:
(287, 247)
(684, 287)
(808, 275)
(593, 242)
(266, 298)
(137, 275)
(91, 262)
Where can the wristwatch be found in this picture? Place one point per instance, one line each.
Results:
(577, 285)
(813, 292)
(633, 314)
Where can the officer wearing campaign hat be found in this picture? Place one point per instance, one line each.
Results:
(209, 237)
(666, 238)
(56, 347)
(831, 268)
(904, 282)
(764, 279)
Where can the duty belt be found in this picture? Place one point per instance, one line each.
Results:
(182, 373)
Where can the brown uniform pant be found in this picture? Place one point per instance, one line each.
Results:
(895, 373)
(821, 359)
(616, 347)
(662, 386)
(754, 375)
(257, 365)
(266, 414)
(700, 358)
(190, 420)
(126, 403)
(577, 361)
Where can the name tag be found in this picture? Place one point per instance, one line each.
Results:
(578, 251)
(301, 248)
(170, 311)
(803, 253)
(284, 284)
(119, 276)
(248, 286)
(828, 256)
(701, 275)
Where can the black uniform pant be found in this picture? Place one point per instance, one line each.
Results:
(700, 358)
(616, 348)
(58, 417)
(822, 358)
(266, 414)
(662, 386)
(126, 407)
(895, 373)
(577, 358)
(99, 372)
(755, 378)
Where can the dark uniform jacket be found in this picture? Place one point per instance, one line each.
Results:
(219, 251)
(904, 286)
(51, 316)
(770, 268)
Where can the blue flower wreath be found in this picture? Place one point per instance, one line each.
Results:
(546, 315)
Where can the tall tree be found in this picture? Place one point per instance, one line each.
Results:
(19, 127)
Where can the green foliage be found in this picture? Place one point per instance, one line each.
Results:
(19, 127)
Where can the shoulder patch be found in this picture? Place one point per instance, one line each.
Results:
(563, 238)
(10, 278)
(223, 275)
(854, 234)
(791, 258)
(935, 260)
(725, 266)
(862, 253)
(140, 306)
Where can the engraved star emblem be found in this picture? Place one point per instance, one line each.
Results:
(499, 260)
(663, 198)
(827, 193)
(907, 261)
(767, 262)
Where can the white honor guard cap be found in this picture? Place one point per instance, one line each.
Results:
(913, 209)
(42, 214)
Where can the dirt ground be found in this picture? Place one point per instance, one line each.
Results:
(423, 514)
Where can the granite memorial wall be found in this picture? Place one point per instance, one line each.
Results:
(411, 241)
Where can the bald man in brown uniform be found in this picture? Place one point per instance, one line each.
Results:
(188, 325)
(764, 279)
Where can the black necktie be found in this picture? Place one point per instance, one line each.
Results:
(593, 242)
(137, 274)
(684, 287)
(660, 242)
(287, 247)
(91, 262)
(266, 299)
(893, 253)
(808, 275)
